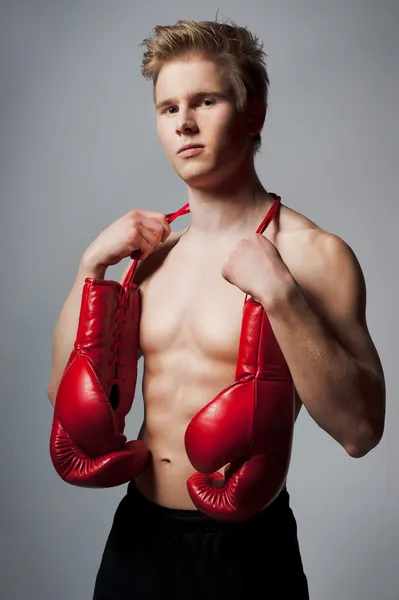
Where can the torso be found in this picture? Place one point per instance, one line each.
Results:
(189, 334)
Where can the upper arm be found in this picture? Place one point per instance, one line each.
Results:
(337, 289)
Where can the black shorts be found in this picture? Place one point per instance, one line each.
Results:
(154, 552)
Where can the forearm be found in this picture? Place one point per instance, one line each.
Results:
(66, 326)
(340, 394)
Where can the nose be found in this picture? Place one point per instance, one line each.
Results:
(185, 123)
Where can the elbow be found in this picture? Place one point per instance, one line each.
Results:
(369, 431)
(359, 451)
(366, 442)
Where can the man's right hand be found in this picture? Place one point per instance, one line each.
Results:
(135, 234)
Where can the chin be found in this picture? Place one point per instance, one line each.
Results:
(199, 175)
(203, 180)
(196, 175)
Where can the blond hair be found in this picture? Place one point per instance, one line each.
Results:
(234, 48)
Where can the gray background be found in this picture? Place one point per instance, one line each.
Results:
(79, 149)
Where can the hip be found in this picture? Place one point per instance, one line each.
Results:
(183, 553)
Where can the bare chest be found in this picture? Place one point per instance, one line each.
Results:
(187, 304)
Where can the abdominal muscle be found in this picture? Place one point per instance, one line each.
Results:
(170, 403)
(189, 336)
(172, 397)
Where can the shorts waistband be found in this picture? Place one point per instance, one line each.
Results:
(194, 518)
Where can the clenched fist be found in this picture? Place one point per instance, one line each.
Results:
(135, 234)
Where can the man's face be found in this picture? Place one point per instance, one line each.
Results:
(195, 105)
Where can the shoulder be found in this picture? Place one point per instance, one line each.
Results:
(301, 236)
(324, 264)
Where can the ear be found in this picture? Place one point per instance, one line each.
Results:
(256, 114)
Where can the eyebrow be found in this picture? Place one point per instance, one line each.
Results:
(196, 95)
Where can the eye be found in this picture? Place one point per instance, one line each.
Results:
(207, 100)
(167, 109)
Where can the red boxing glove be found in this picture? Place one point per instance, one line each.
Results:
(249, 425)
(88, 447)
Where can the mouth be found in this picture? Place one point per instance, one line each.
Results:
(190, 150)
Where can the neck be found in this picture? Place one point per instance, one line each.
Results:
(228, 208)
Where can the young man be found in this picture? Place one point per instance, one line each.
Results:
(210, 92)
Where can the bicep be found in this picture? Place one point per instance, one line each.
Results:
(340, 299)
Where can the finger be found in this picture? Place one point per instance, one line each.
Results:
(149, 217)
(145, 246)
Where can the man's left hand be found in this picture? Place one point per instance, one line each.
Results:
(256, 268)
